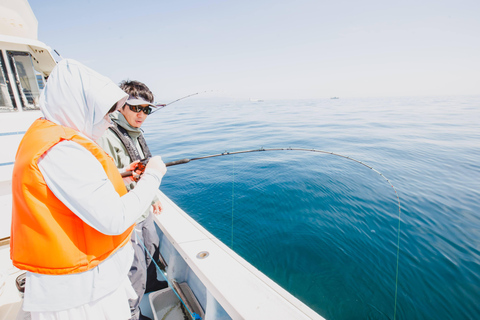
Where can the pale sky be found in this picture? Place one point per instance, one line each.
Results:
(273, 49)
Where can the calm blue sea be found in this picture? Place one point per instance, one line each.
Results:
(324, 227)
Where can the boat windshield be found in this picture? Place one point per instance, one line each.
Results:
(7, 102)
(29, 83)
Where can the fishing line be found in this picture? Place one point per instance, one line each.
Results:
(177, 162)
(233, 198)
(226, 153)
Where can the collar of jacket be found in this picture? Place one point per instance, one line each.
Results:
(119, 119)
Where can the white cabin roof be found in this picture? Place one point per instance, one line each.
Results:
(17, 19)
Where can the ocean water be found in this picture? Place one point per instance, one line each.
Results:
(325, 227)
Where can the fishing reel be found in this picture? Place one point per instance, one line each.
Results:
(137, 173)
(142, 165)
(140, 169)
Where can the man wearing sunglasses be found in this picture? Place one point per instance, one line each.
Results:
(125, 143)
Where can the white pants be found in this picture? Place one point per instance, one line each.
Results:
(113, 306)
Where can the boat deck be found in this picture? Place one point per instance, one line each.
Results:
(10, 300)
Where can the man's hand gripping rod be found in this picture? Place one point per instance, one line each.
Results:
(138, 171)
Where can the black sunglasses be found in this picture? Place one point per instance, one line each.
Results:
(147, 110)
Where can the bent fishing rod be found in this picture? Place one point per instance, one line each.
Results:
(143, 163)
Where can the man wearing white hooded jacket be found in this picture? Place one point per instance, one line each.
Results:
(71, 215)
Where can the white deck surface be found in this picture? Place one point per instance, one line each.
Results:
(10, 301)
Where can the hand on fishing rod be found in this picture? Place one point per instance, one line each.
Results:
(133, 170)
(156, 166)
(133, 167)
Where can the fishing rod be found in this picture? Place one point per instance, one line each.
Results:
(161, 106)
(143, 163)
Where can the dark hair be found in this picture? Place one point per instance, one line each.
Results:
(137, 89)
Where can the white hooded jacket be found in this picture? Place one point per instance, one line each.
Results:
(78, 97)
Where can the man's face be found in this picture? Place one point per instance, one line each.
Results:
(135, 119)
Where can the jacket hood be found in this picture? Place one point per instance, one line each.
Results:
(75, 96)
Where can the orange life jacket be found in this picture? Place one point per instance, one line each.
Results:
(46, 236)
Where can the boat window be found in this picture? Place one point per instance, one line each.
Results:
(29, 81)
(7, 101)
